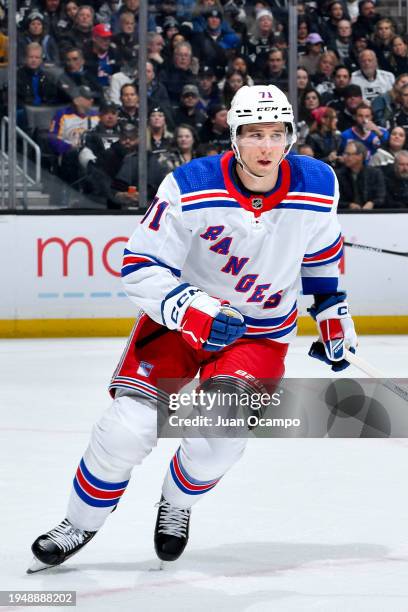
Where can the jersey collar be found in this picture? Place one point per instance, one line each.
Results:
(256, 203)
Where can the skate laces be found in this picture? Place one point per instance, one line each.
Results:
(173, 521)
(66, 536)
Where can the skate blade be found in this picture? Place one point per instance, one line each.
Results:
(38, 566)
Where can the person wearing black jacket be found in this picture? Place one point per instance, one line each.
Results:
(396, 181)
(75, 75)
(178, 73)
(34, 86)
(102, 137)
(361, 187)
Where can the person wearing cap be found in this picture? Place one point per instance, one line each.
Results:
(178, 73)
(158, 138)
(36, 32)
(188, 111)
(260, 40)
(212, 46)
(209, 92)
(314, 49)
(352, 98)
(215, 130)
(166, 14)
(76, 75)
(80, 34)
(101, 55)
(98, 140)
(67, 129)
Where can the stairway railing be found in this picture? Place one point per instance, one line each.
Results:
(23, 171)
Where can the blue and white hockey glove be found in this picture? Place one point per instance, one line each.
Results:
(204, 322)
(336, 330)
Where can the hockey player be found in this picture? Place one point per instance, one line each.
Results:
(244, 227)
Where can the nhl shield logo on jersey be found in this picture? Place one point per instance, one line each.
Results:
(257, 203)
(144, 368)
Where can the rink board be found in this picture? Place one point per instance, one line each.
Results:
(60, 275)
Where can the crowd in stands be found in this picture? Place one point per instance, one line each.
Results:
(82, 61)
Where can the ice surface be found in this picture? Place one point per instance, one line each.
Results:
(297, 525)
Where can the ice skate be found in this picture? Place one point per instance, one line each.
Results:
(58, 545)
(171, 532)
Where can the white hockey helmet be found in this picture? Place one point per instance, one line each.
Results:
(260, 104)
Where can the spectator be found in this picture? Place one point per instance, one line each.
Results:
(240, 62)
(158, 138)
(401, 116)
(305, 149)
(352, 98)
(206, 148)
(208, 90)
(212, 45)
(341, 79)
(386, 106)
(129, 6)
(35, 32)
(67, 128)
(314, 49)
(74, 76)
(364, 130)
(170, 45)
(274, 71)
(382, 42)
(101, 57)
(106, 11)
(199, 15)
(185, 143)
(399, 55)
(157, 95)
(96, 141)
(34, 86)
(178, 73)
(53, 15)
(367, 18)
(117, 170)
(167, 9)
(303, 83)
(324, 138)
(260, 40)
(396, 181)
(373, 82)
(170, 29)
(323, 79)
(126, 76)
(386, 155)
(129, 99)
(303, 33)
(336, 13)
(309, 102)
(342, 43)
(234, 80)
(361, 187)
(215, 129)
(70, 10)
(188, 112)
(126, 39)
(81, 32)
(155, 44)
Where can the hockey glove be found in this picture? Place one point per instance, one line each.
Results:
(204, 322)
(336, 330)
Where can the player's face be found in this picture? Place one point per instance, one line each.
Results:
(262, 146)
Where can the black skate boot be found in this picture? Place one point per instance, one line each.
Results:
(171, 532)
(57, 545)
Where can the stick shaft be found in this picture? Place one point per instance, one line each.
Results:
(371, 371)
(364, 247)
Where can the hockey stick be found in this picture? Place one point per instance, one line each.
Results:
(374, 373)
(364, 247)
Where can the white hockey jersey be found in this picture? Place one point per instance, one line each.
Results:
(252, 250)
